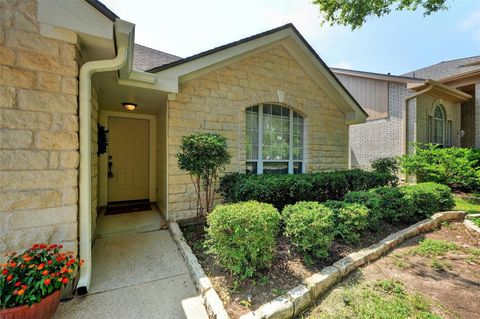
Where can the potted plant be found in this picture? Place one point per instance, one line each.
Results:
(31, 282)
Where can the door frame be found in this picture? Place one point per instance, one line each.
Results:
(104, 117)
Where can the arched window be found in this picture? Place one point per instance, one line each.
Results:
(274, 140)
(438, 133)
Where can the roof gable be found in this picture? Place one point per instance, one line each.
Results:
(292, 40)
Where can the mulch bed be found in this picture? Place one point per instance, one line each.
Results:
(288, 270)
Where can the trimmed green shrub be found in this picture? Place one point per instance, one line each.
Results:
(372, 201)
(350, 219)
(310, 227)
(456, 167)
(411, 203)
(282, 190)
(388, 165)
(243, 236)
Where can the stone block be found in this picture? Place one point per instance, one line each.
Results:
(43, 217)
(447, 216)
(64, 232)
(69, 159)
(7, 56)
(23, 159)
(15, 139)
(7, 97)
(48, 140)
(69, 85)
(46, 101)
(300, 297)
(214, 305)
(16, 119)
(48, 81)
(30, 199)
(20, 239)
(31, 41)
(22, 21)
(279, 308)
(41, 179)
(320, 282)
(11, 76)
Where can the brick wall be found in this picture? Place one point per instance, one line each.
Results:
(217, 101)
(379, 138)
(38, 133)
(425, 107)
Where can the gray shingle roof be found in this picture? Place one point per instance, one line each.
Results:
(447, 68)
(145, 58)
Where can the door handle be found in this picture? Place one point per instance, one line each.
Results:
(110, 174)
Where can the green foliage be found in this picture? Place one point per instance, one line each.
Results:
(354, 13)
(433, 248)
(456, 167)
(470, 205)
(310, 227)
(350, 219)
(372, 201)
(203, 155)
(282, 190)
(387, 165)
(243, 236)
(408, 204)
(379, 299)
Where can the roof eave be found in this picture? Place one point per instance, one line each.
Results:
(446, 91)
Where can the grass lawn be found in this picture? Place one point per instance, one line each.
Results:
(472, 206)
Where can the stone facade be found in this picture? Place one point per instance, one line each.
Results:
(379, 138)
(38, 133)
(477, 114)
(216, 102)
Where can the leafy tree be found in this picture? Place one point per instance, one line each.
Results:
(355, 12)
(203, 155)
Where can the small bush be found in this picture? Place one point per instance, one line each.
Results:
(411, 203)
(350, 219)
(282, 190)
(456, 167)
(310, 227)
(243, 236)
(387, 165)
(372, 201)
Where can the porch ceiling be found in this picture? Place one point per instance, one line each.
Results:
(111, 95)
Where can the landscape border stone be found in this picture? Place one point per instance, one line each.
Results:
(470, 224)
(304, 295)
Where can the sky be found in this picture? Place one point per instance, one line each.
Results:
(396, 43)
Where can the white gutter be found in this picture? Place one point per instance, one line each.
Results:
(85, 200)
(405, 114)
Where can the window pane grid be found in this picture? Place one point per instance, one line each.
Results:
(274, 140)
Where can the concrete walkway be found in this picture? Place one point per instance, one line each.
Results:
(135, 275)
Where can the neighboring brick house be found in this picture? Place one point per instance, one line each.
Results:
(438, 104)
(69, 66)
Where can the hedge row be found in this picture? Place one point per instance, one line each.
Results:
(242, 236)
(282, 190)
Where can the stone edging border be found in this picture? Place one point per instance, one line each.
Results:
(210, 298)
(304, 295)
(471, 225)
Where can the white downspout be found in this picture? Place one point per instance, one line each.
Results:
(85, 202)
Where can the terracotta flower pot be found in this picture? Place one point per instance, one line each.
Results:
(45, 309)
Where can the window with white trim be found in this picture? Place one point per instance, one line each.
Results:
(438, 126)
(274, 140)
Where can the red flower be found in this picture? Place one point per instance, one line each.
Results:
(20, 292)
(49, 262)
(64, 281)
(18, 283)
(5, 272)
(9, 278)
(24, 287)
(13, 264)
(41, 266)
(45, 272)
(35, 246)
(43, 246)
(46, 282)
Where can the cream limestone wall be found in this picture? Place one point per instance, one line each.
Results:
(216, 102)
(38, 133)
(425, 107)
